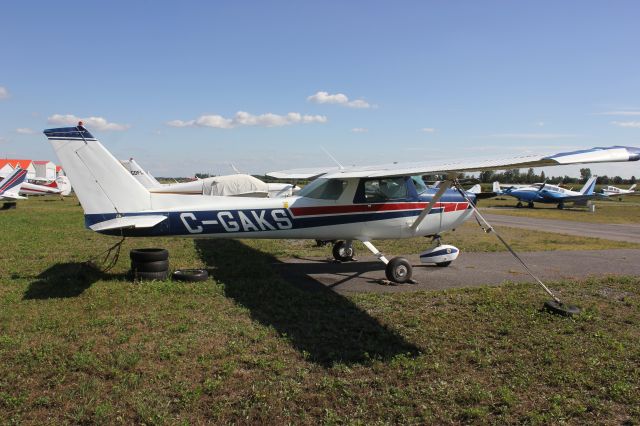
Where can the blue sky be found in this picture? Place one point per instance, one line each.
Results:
(189, 87)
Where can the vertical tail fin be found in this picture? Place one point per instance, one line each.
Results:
(496, 187)
(140, 175)
(588, 187)
(632, 187)
(101, 183)
(12, 183)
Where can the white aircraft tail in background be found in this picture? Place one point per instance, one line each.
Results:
(10, 186)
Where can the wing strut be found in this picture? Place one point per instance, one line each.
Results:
(444, 185)
(556, 305)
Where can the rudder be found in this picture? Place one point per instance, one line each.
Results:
(101, 183)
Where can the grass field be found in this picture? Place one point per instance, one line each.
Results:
(627, 211)
(79, 346)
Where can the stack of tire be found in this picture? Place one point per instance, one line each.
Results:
(149, 264)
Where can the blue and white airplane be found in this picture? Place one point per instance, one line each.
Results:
(549, 194)
(342, 203)
(10, 186)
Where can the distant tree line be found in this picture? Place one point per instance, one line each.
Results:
(516, 176)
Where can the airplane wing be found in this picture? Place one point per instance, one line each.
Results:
(593, 155)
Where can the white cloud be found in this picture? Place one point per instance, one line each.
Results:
(359, 130)
(338, 98)
(428, 129)
(25, 131)
(532, 136)
(242, 118)
(97, 123)
(634, 124)
(620, 112)
(4, 93)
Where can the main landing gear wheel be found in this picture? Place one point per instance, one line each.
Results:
(399, 270)
(343, 251)
(519, 205)
(530, 205)
(560, 206)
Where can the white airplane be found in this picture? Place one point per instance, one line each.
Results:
(612, 191)
(29, 188)
(10, 186)
(238, 185)
(342, 204)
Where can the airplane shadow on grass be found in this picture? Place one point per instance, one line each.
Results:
(325, 326)
(66, 280)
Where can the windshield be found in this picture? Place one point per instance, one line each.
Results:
(325, 189)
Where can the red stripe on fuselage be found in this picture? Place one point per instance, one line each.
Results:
(367, 208)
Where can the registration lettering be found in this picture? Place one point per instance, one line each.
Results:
(236, 221)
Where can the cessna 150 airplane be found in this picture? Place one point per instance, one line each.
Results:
(342, 204)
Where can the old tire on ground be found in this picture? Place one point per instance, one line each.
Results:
(342, 252)
(157, 266)
(190, 275)
(148, 255)
(398, 270)
(149, 276)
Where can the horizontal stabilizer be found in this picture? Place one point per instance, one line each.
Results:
(128, 222)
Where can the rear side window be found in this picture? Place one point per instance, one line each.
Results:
(385, 189)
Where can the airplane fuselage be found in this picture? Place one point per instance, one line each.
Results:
(353, 214)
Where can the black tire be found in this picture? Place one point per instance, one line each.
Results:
(519, 205)
(157, 266)
(190, 275)
(444, 264)
(343, 253)
(148, 255)
(530, 205)
(150, 276)
(399, 270)
(560, 206)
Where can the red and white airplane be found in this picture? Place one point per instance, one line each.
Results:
(343, 204)
(10, 186)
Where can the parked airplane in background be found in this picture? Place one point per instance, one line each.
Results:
(550, 194)
(342, 204)
(237, 185)
(612, 191)
(10, 186)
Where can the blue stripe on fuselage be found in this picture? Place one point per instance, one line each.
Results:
(242, 221)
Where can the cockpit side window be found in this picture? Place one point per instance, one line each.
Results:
(419, 184)
(324, 189)
(377, 190)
